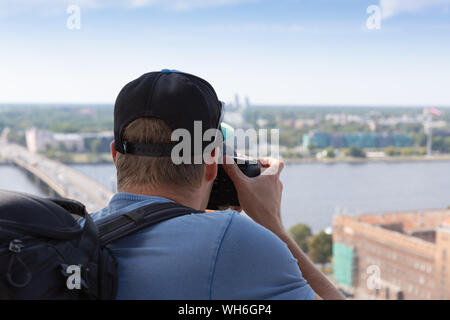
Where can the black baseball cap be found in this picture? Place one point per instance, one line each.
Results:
(175, 97)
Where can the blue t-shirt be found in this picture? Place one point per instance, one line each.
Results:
(216, 255)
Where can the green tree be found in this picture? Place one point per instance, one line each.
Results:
(17, 136)
(96, 146)
(64, 127)
(301, 234)
(441, 144)
(319, 247)
(392, 151)
(61, 147)
(420, 139)
(50, 153)
(411, 151)
(312, 147)
(446, 148)
(356, 152)
(330, 153)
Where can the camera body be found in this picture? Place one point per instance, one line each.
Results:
(223, 193)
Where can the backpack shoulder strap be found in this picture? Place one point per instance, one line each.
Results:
(140, 218)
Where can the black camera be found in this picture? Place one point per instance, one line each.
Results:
(223, 193)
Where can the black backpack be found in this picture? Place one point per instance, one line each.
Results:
(46, 254)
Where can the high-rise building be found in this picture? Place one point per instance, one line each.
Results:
(237, 103)
(247, 102)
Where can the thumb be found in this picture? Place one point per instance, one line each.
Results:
(232, 170)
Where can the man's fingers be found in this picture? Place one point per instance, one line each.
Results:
(271, 166)
(265, 162)
(280, 166)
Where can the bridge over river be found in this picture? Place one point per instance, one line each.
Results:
(60, 179)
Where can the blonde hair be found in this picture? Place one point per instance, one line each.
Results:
(140, 171)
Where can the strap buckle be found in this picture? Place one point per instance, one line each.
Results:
(16, 246)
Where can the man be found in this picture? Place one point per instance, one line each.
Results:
(212, 255)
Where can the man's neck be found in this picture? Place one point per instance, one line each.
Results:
(188, 200)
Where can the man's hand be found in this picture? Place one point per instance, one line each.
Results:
(260, 197)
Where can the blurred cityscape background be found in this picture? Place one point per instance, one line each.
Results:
(343, 163)
(83, 133)
(358, 89)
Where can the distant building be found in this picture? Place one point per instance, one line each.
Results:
(104, 141)
(40, 140)
(4, 135)
(375, 154)
(402, 140)
(393, 255)
(305, 141)
(385, 140)
(318, 138)
(361, 140)
(70, 142)
(234, 113)
(237, 103)
(338, 141)
(441, 132)
(247, 102)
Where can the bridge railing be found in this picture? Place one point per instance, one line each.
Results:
(62, 179)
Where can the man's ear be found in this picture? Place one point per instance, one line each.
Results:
(211, 169)
(113, 152)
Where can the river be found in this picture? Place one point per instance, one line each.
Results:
(313, 193)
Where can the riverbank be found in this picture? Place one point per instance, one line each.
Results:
(105, 158)
(444, 158)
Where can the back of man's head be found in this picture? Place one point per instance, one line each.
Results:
(140, 172)
(146, 112)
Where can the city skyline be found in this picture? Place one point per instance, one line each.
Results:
(283, 53)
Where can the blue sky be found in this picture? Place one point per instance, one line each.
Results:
(290, 52)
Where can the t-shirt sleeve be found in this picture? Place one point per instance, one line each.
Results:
(253, 263)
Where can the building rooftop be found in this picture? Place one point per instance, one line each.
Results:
(410, 221)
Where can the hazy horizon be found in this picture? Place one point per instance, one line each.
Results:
(283, 52)
(111, 104)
